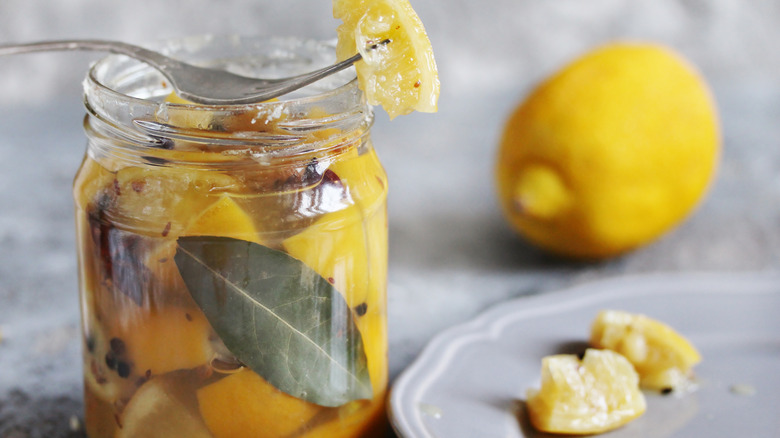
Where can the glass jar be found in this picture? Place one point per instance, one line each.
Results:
(232, 259)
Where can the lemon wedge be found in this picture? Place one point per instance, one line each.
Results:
(224, 218)
(398, 70)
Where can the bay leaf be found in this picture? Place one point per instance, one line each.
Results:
(277, 316)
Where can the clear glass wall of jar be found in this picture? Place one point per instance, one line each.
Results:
(233, 259)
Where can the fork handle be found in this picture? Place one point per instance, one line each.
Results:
(116, 47)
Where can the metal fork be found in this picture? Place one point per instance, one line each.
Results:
(197, 84)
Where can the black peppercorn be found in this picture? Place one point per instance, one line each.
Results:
(361, 309)
(123, 369)
(117, 346)
(111, 360)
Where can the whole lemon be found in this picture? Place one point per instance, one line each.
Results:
(610, 152)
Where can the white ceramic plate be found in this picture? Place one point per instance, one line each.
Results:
(470, 381)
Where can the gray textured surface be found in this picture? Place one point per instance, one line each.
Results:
(451, 254)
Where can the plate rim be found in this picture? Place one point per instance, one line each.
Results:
(488, 323)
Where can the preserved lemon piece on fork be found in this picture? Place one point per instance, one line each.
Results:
(662, 357)
(592, 395)
(398, 70)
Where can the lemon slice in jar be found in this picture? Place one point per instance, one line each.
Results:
(398, 70)
(161, 408)
(245, 404)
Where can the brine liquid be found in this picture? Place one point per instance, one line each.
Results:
(153, 363)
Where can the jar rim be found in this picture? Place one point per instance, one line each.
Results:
(168, 46)
(128, 97)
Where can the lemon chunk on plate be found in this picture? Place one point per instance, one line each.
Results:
(663, 358)
(596, 394)
(400, 75)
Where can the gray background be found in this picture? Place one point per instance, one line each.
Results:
(451, 254)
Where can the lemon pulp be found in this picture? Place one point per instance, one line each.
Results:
(663, 358)
(592, 395)
(398, 70)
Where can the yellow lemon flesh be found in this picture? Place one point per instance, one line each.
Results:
(161, 340)
(592, 395)
(609, 153)
(194, 119)
(224, 218)
(663, 358)
(243, 404)
(400, 75)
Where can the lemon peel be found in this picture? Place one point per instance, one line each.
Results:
(609, 153)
